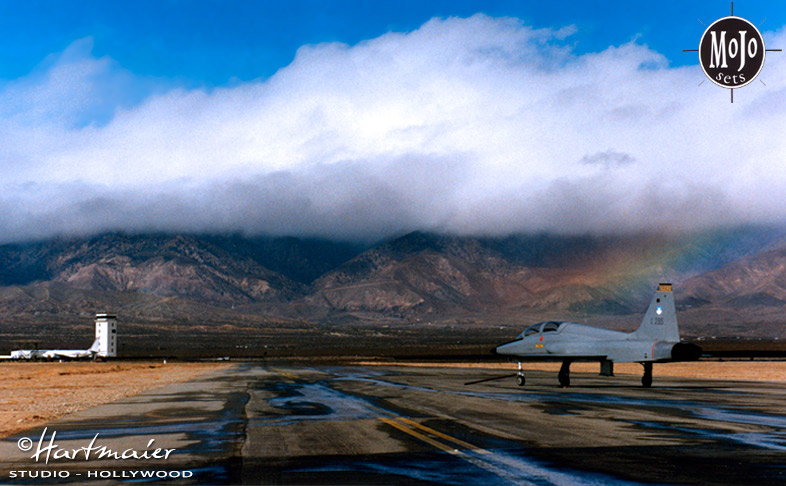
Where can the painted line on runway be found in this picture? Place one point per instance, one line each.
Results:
(447, 437)
(460, 442)
(418, 435)
(497, 471)
(288, 375)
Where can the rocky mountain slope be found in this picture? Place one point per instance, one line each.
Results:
(754, 281)
(214, 278)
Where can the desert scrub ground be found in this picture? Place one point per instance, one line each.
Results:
(33, 394)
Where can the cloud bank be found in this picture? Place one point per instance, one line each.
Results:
(467, 126)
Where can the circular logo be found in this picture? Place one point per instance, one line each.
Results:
(731, 52)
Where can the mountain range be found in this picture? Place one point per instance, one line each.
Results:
(729, 282)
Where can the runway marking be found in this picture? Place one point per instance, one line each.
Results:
(445, 436)
(288, 375)
(497, 465)
(416, 434)
(497, 471)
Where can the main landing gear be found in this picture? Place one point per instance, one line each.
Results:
(564, 374)
(646, 380)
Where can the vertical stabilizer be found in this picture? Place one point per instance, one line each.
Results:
(660, 321)
(96, 346)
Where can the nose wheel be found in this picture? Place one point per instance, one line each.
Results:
(520, 380)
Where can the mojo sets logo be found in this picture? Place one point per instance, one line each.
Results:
(731, 52)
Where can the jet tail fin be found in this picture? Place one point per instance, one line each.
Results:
(660, 321)
(96, 346)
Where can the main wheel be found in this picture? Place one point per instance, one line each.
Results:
(646, 381)
(520, 380)
(564, 374)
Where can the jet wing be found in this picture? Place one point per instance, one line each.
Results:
(557, 357)
(67, 353)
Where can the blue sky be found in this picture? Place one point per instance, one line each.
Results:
(361, 120)
(215, 43)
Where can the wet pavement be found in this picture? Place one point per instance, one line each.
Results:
(265, 424)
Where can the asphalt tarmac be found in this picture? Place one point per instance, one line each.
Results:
(281, 424)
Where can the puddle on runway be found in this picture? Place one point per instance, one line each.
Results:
(312, 401)
(212, 433)
(303, 401)
(430, 468)
(206, 432)
(775, 441)
(575, 402)
(497, 467)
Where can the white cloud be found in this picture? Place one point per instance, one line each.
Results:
(475, 125)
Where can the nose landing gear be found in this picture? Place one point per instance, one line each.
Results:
(520, 380)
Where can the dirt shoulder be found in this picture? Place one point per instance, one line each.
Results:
(33, 394)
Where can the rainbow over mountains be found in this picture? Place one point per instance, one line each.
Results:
(723, 276)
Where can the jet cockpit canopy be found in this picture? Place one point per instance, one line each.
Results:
(546, 326)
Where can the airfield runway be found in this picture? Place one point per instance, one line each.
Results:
(259, 423)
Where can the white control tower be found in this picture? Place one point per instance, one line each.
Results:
(106, 335)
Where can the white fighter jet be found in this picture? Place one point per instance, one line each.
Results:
(657, 340)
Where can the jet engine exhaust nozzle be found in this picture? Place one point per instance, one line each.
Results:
(685, 352)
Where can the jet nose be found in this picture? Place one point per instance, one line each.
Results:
(508, 348)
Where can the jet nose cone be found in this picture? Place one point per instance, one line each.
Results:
(508, 348)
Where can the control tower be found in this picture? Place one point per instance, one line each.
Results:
(106, 335)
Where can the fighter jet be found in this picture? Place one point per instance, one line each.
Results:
(657, 340)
